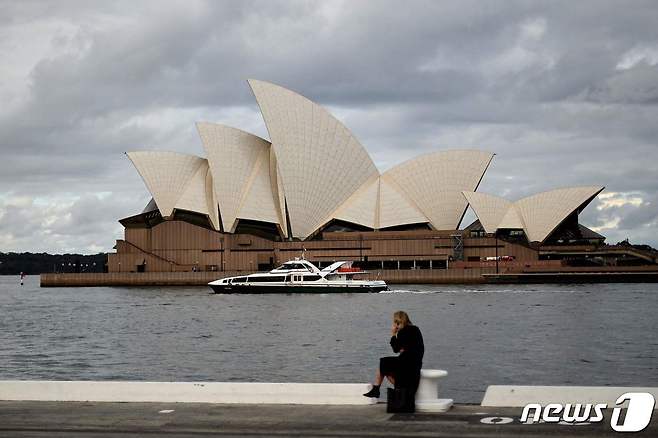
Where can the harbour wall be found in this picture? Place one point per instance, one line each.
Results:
(187, 392)
(458, 275)
(286, 393)
(445, 276)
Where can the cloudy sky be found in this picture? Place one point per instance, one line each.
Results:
(565, 93)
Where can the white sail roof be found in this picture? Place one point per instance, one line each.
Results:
(278, 193)
(258, 202)
(434, 183)
(199, 195)
(166, 175)
(489, 209)
(543, 212)
(321, 163)
(395, 208)
(177, 181)
(538, 215)
(361, 207)
(313, 171)
(234, 156)
(512, 219)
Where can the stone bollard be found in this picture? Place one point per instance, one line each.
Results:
(426, 396)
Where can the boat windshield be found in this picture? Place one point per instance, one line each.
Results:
(293, 265)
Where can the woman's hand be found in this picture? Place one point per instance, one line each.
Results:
(394, 329)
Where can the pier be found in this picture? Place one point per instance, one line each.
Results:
(473, 273)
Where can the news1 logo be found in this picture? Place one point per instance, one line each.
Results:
(638, 413)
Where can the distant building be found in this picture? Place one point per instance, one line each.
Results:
(250, 203)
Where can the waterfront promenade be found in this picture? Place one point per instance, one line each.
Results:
(85, 419)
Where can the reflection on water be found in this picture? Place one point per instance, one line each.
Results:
(483, 335)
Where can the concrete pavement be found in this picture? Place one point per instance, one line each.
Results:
(86, 419)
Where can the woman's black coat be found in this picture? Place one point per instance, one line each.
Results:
(409, 343)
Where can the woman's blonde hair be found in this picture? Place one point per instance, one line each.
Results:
(401, 318)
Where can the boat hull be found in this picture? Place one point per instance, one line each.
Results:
(294, 289)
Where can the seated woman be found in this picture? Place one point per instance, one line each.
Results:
(403, 371)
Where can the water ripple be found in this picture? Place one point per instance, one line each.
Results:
(499, 334)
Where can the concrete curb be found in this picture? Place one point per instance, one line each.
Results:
(519, 396)
(188, 392)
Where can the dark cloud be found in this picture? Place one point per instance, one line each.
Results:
(646, 215)
(564, 93)
(637, 85)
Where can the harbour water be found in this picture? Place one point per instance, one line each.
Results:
(603, 334)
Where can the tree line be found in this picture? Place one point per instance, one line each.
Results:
(12, 263)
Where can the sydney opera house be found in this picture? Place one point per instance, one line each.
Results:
(313, 190)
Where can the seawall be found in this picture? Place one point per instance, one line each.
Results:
(468, 275)
(418, 276)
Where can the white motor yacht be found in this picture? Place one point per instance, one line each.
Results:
(300, 276)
